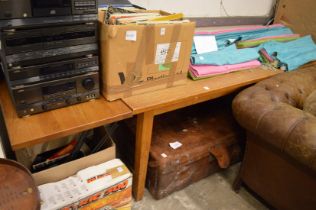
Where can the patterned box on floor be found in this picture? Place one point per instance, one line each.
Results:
(104, 186)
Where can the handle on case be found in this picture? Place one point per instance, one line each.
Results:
(221, 153)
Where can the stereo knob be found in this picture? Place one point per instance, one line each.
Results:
(88, 83)
(44, 107)
(68, 101)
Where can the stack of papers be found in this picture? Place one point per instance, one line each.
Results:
(124, 18)
(116, 16)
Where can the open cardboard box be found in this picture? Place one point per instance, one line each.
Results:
(68, 169)
(142, 58)
(71, 168)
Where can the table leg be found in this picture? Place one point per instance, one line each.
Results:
(143, 142)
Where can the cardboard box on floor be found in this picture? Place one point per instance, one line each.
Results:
(142, 58)
(110, 196)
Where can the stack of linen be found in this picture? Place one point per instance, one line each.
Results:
(225, 51)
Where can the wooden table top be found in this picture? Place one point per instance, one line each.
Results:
(39, 128)
(196, 91)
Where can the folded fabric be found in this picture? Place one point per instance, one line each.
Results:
(294, 53)
(228, 56)
(225, 38)
(256, 42)
(214, 70)
(238, 29)
(265, 57)
(195, 76)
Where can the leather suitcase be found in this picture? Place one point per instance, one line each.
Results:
(210, 140)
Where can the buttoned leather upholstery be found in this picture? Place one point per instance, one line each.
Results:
(273, 110)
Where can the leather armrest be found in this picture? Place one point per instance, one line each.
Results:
(272, 111)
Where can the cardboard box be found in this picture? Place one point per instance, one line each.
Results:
(107, 194)
(68, 169)
(142, 58)
(104, 186)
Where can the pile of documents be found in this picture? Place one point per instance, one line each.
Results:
(224, 51)
(119, 16)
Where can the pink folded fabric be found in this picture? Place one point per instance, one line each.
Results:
(214, 70)
(239, 29)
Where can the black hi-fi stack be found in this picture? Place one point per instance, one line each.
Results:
(49, 53)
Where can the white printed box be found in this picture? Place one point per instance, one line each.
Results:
(105, 186)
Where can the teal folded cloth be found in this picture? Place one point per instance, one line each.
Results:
(256, 34)
(224, 38)
(227, 56)
(294, 53)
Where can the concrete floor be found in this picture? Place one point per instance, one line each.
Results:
(212, 193)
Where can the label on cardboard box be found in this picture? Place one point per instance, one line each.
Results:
(131, 35)
(165, 67)
(176, 53)
(162, 52)
(162, 31)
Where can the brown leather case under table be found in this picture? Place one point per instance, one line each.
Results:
(210, 141)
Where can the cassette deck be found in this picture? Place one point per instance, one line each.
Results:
(36, 98)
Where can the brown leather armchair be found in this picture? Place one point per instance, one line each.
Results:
(279, 115)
